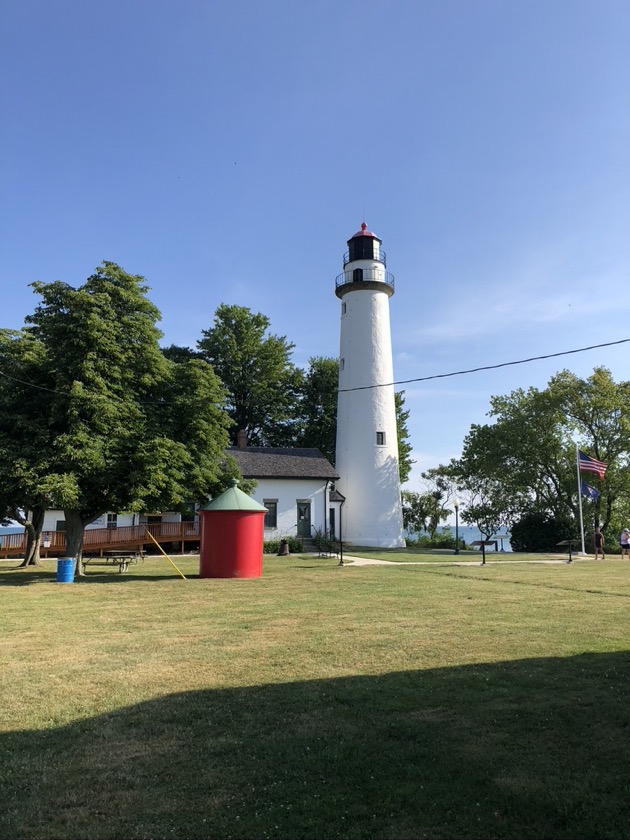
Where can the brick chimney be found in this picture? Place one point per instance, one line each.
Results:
(241, 439)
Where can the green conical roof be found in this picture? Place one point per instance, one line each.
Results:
(234, 499)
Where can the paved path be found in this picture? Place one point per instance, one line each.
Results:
(349, 560)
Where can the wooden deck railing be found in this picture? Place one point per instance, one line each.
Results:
(99, 540)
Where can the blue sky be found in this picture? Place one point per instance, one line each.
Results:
(227, 150)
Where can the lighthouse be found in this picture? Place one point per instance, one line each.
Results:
(367, 440)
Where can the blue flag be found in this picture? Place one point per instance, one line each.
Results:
(588, 491)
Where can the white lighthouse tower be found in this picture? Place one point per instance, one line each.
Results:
(367, 440)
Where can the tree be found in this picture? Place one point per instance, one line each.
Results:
(178, 354)
(480, 508)
(423, 511)
(317, 427)
(261, 382)
(405, 460)
(25, 442)
(132, 430)
(524, 461)
(596, 411)
(440, 491)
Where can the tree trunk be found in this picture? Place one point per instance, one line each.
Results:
(74, 539)
(31, 551)
(75, 526)
(33, 528)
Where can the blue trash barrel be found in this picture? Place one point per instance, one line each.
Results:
(65, 569)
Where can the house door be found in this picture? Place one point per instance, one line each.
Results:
(304, 519)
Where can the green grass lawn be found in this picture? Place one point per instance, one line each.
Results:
(319, 701)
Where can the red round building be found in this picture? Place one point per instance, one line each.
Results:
(232, 531)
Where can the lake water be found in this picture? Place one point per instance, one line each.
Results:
(471, 534)
(10, 529)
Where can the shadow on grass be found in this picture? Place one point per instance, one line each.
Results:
(525, 749)
(100, 573)
(28, 577)
(20, 576)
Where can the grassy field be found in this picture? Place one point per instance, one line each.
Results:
(319, 701)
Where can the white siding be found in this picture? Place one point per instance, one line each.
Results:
(372, 514)
(288, 492)
(53, 516)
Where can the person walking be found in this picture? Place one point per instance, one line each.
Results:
(599, 543)
(624, 542)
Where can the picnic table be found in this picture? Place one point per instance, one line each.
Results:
(483, 544)
(120, 558)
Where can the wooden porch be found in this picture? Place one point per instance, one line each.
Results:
(96, 541)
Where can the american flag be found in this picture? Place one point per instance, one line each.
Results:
(588, 464)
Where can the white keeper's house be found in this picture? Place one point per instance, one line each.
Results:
(296, 487)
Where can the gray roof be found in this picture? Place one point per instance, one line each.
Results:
(280, 462)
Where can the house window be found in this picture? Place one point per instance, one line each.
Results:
(271, 517)
(61, 525)
(112, 520)
(380, 438)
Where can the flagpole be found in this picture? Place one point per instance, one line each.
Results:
(579, 484)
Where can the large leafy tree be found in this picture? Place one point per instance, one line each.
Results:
(130, 429)
(276, 403)
(261, 381)
(596, 414)
(25, 441)
(523, 464)
(317, 408)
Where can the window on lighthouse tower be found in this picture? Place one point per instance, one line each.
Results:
(380, 438)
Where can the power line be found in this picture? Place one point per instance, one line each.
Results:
(485, 367)
(32, 384)
(88, 395)
(365, 387)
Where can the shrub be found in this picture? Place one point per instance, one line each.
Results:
(273, 546)
(445, 539)
(538, 531)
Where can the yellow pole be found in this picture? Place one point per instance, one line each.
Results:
(148, 533)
